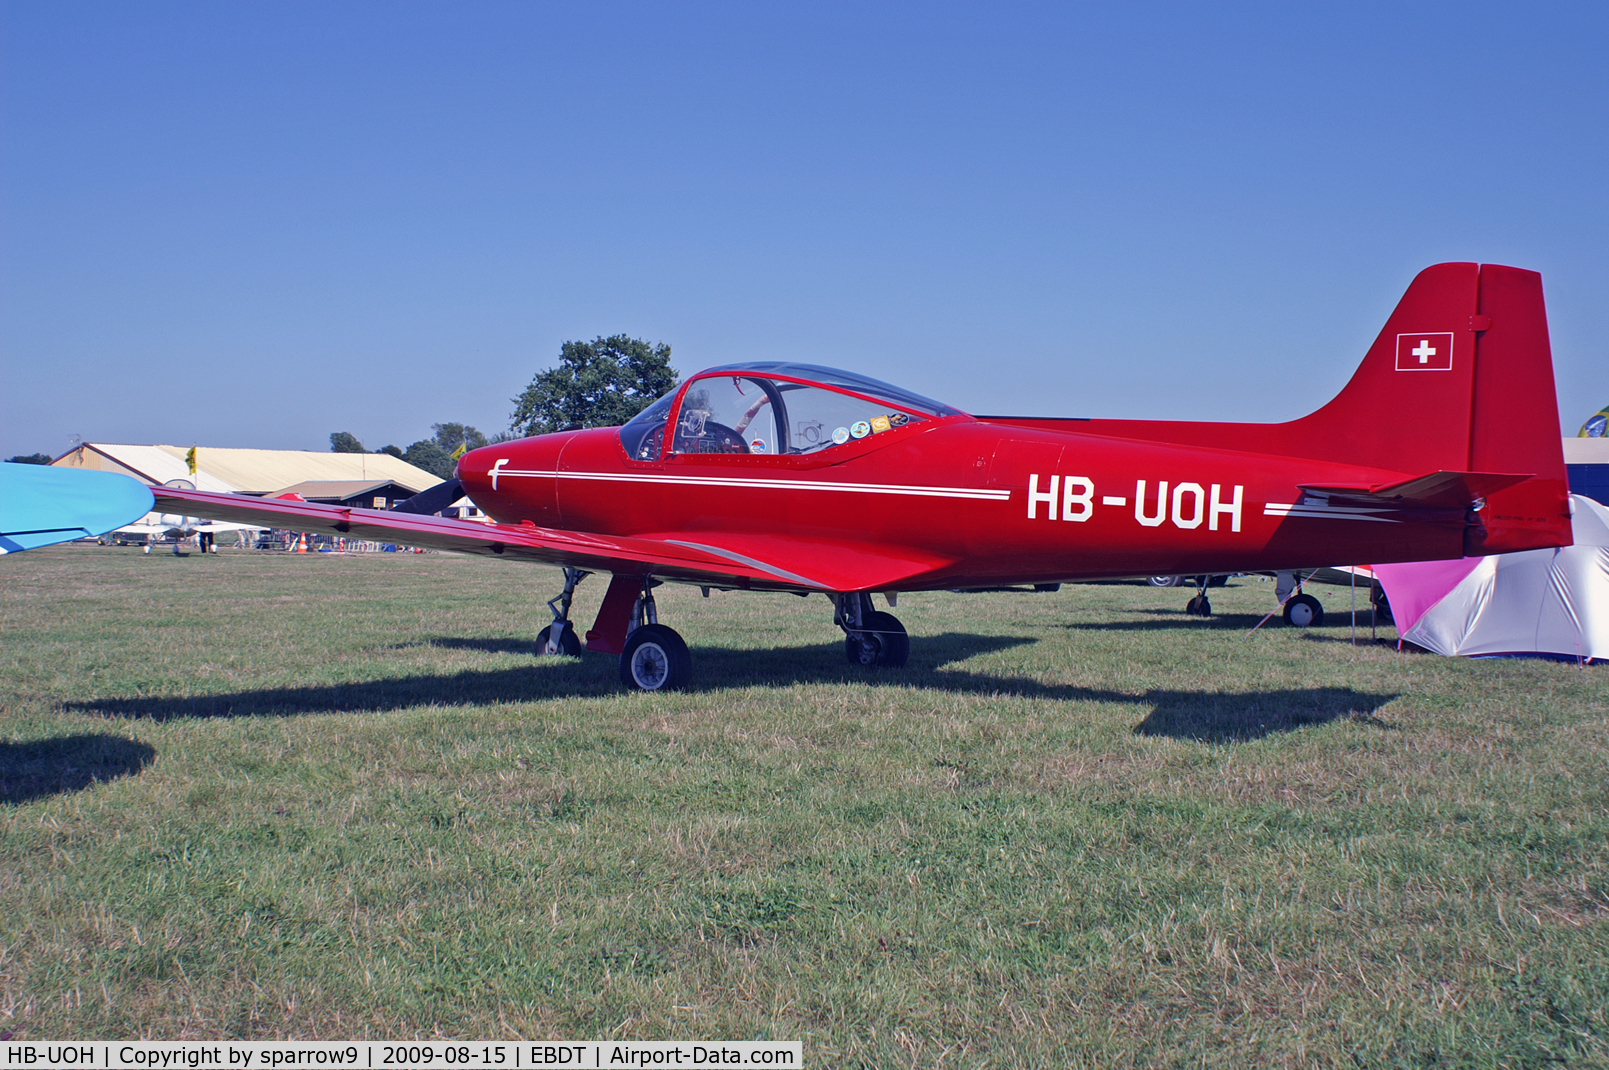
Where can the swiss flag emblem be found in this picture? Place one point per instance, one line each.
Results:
(1425, 352)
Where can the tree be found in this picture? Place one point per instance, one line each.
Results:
(345, 442)
(30, 458)
(394, 451)
(599, 383)
(431, 457)
(451, 436)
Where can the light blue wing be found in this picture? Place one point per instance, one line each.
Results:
(40, 505)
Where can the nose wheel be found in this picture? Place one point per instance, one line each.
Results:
(559, 639)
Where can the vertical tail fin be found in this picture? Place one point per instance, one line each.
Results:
(1408, 406)
(1461, 380)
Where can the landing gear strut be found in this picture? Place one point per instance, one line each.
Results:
(559, 637)
(655, 657)
(870, 637)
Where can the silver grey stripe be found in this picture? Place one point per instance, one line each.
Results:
(743, 559)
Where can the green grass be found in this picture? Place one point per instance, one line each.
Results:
(274, 796)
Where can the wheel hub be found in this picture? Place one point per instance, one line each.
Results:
(650, 667)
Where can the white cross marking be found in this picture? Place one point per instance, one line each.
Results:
(1425, 351)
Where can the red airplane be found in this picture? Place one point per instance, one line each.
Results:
(791, 477)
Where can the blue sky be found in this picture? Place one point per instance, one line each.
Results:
(255, 224)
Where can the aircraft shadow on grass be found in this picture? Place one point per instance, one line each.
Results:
(1169, 620)
(1204, 716)
(507, 644)
(65, 764)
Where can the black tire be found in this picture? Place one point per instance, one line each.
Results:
(569, 642)
(1304, 611)
(1165, 581)
(884, 642)
(1218, 581)
(1047, 588)
(1382, 607)
(1199, 606)
(655, 659)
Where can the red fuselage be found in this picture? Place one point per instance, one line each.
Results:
(989, 503)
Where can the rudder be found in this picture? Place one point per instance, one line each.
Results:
(1515, 418)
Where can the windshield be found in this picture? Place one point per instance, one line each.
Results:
(644, 434)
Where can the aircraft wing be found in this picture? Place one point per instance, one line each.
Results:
(717, 559)
(40, 505)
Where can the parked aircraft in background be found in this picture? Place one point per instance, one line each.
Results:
(791, 477)
(156, 527)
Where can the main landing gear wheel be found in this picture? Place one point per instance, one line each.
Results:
(1198, 606)
(1165, 581)
(655, 659)
(1304, 611)
(881, 640)
(569, 643)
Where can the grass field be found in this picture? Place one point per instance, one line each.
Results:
(331, 797)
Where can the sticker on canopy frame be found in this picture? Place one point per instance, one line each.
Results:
(860, 429)
(840, 436)
(879, 424)
(898, 419)
(757, 446)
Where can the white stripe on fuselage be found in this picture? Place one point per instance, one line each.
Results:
(1326, 512)
(992, 494)
(982, 493)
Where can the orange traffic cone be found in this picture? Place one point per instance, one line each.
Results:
(301, 544)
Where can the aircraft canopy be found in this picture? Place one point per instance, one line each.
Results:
(775, 407)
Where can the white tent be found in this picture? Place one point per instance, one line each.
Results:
(1535, 602)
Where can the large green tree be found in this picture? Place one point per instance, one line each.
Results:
(345, 442)
(600, 383)
(451, 436)
(431, 457)
(29, 458)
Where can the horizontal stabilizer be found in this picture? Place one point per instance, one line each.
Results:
(1437, 490)
(432, 499)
